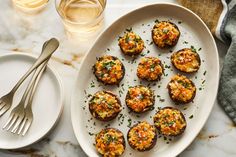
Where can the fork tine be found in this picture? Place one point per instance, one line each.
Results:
(14, 130)
(2, 104)
(12, 122)
(8, 121)
(4, 109)
(17, 124)
(22, 126)
(27, 126)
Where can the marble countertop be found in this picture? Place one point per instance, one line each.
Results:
(26, 33)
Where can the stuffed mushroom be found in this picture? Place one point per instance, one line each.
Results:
(170, 121)
(131, 44)
(181, 89)
(140, 99)
(165, 34)
(142, 136)
(104, 106)
(110, 142)
(150, 69)
(109, 70)
(186, 60)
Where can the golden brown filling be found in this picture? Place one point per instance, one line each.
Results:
(150, 68)
(109, 69)
(186, 60)
(165, 34)
(169, 121)
(140, 98)
(131, 43)
(141, 136)
(181, 88)
(110, 142)
(104, 105)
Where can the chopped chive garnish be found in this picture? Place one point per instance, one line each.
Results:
(129, 29)
(191, 117)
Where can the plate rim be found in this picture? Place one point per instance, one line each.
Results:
(61, 91)
(203, 122)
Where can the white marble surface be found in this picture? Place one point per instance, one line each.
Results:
(21, 33)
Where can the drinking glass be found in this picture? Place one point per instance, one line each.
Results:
(81, 16)
(30, 6)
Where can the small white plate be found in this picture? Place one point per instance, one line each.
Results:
(193, 32)
(47, 104)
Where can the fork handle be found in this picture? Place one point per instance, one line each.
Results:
(35, 84)
(49, 47)
(25, 95)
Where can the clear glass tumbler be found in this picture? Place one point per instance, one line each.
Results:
(30, 6)
(81, 16)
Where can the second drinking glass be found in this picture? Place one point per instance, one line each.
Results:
(81, 16)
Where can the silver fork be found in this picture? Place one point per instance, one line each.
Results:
(18, 113)
(28, 118)
(6, 100)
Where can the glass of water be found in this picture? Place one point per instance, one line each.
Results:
(30, 6)
(81, 16)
